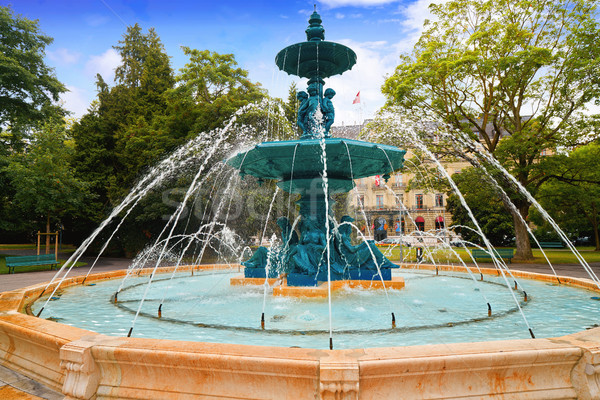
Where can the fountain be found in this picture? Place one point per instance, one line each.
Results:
(88, 349)
(316, 166)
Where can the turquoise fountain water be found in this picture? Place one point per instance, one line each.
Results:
(431, 309)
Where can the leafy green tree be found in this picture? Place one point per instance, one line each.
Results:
(486, 205)
(43, 180)
(28, 87)
(213, 87)
(513, 76)
(572, 193)
(145, 116)
(117, 138)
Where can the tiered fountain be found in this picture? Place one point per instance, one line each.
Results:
(317, 166)
(219, 350)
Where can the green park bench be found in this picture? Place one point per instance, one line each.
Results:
(506, 254)
(552, 245)
(25, 261)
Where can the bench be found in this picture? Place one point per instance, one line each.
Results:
(506, 254)
(552, 245)
(23, 261)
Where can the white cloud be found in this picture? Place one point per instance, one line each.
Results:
(103, 64)
(375, 60)
(339, 16)
(355, 3)
(76, 100)
(417, 12)
(63, 56)
(411, 20)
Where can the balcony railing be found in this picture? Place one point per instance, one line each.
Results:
(402, 210)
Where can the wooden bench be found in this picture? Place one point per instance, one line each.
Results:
(506, 254)
(24, 261)
(552, 245)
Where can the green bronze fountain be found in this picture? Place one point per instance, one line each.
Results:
(317, 166)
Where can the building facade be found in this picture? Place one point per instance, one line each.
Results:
(404, 210)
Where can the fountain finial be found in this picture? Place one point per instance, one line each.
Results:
(315, 31)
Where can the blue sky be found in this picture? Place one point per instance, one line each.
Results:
(84, 32)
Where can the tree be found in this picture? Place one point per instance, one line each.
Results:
(572, 192)
(145, 116)
(486, 205)
(117, 139)
(291, 107)
(28, 87)
(214, 87)
(42, 177)
(513, 76)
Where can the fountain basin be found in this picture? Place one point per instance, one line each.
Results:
(82, 363)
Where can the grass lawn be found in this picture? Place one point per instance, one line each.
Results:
(556, 256)
(4, 268)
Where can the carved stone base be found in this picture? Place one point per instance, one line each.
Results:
(339, 379)
(82, 375)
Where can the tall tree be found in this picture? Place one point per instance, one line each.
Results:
(486, 205)
(572, 192)
(117, 139)
(291, 107)
(28, 87)
(215, 87)
(42, 176)
(513, 76)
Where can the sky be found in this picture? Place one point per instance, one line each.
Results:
(85, 32)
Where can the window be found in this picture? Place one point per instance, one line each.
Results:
(419, 201)
(399, 198)
(379, 202)
(399, 179)
(420, 223)
(439, 223)
(439, 200)
(360, 201)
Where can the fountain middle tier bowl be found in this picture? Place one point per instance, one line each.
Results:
(346, 160)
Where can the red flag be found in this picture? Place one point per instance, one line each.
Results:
(357, 98)
(377, 181)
